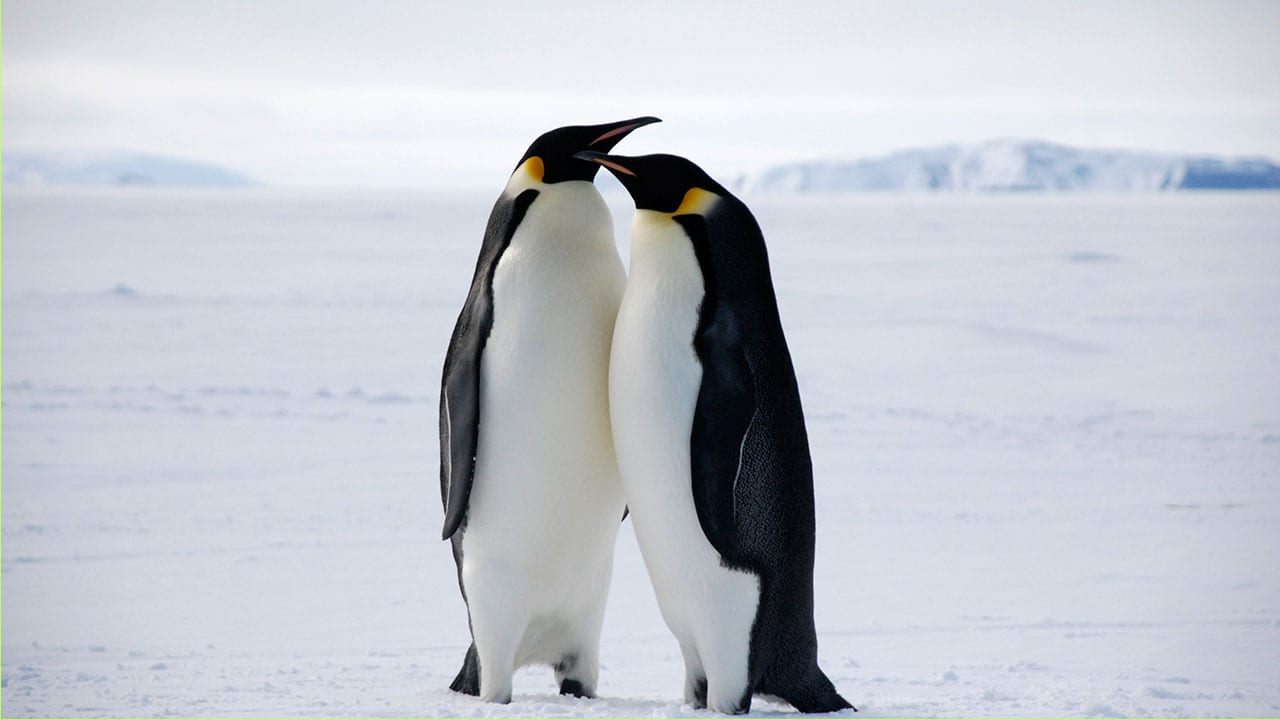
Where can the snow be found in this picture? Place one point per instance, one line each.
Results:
(1046, 435)
(1017, 165)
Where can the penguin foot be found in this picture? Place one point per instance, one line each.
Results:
(695, 692)
(577, 677)
(573, 687)
(727, 702)
(503, 699)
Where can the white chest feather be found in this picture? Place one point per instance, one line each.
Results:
(546, 475)
(655, 374)
(653, 385)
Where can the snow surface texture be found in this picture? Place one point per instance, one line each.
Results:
(1046, 435)
(1012, 165)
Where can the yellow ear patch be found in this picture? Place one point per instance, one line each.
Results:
(696, 202)
(534, 167)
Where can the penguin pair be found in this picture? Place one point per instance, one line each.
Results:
(571, 392)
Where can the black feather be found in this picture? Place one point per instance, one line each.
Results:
(460, 386)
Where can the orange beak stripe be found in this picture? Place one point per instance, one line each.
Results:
(617, 131)
(614, 166)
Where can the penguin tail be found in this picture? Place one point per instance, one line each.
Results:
(816, 695)
(468, 680)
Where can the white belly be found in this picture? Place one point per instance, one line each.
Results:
(653, 388)
(546, 503)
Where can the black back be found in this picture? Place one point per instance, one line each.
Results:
(460, 386)
(752, 476)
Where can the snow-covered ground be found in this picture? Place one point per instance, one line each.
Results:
(1046, 433)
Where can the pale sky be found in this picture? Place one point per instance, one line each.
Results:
(427, 94)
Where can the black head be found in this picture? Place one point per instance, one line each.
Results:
(555, 149)
(658, 182)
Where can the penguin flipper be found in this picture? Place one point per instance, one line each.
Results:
(459, 423)
(460, 386)
(721, 420)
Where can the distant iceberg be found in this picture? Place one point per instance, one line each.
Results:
(37, 168)
(1013, 165)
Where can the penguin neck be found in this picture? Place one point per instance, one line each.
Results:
(522, 179)
(656, 241)
(569, 213)
(648, 225)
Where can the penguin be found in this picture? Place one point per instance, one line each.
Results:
(528, 477)
(711, 442)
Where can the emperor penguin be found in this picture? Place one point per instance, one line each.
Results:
(528, 476)
(711, 442)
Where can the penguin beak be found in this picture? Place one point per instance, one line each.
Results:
(612, 133)
(607, 161)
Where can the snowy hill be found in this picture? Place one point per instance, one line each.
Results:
(1012, 165)
(35, 168)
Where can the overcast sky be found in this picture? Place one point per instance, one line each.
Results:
(442, 94)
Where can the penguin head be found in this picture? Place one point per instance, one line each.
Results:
(550, 159)
(668, 184)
